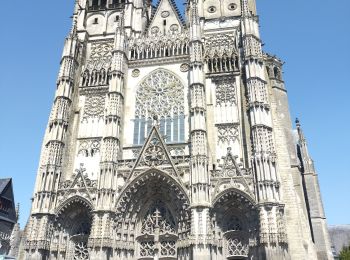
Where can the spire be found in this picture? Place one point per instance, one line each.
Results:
(120, 23)
(73, 31)
(77, 10)
(194, 13)
(300, 131)
(119, 37)
(194, 22)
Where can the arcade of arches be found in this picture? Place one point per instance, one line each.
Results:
(153, 216)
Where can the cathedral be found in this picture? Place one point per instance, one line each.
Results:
(170, 137)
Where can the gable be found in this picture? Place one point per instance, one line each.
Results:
(7, 202)
(166, 18)
(3, 185)
(154, 154)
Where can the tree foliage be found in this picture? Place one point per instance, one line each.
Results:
(345, 253)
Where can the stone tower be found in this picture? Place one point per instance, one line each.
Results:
(172, 139)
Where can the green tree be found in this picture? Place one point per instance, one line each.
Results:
(345, 253)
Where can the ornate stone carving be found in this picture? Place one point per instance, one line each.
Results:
(81, 251)
(79, 180)
(155, 30)
(89, 147)
(165, 14)
(101, 54)
(154, 154)
(220, 53)
(227, 133)
(263, 139)
(94, 106)
(174, 28)
(158, 221)
(158, 45)
(135, 73)
(226, 93)
(257, 92)
(162, 94)
(184, 67)
(253, 47)
(236, 248)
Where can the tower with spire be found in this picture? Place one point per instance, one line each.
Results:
(171, 138)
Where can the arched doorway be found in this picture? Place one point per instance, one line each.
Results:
(235, 222)
(157, 233)
(71, 231)
(152, 217)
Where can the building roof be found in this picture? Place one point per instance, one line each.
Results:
(3, 184)
(173, 7)
(6, 192)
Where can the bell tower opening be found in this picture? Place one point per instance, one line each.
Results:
(95, 5)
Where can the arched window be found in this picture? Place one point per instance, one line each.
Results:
(160, 94)
(71, 231)
(277, 73)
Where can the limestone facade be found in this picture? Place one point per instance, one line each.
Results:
(172, 139)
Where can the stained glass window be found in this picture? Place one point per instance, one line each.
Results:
(161, 94)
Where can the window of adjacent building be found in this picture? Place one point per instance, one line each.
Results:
(5, 205)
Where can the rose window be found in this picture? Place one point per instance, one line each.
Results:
(161, 94)
(81, 251)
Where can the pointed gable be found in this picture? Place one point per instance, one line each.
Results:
(7, 201)
(154, 154)
(231, 175)
(166, 18)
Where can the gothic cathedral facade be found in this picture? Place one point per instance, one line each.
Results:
(172, 139)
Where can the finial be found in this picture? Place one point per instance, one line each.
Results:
(194, 13)
(300, 130)
(81, 169)
(155, 121)
(73, 31)
(121, 19)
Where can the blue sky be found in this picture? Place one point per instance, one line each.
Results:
(312, 37)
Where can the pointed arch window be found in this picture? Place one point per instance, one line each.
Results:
(160, 94)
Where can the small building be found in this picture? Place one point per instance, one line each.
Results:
(8, 216)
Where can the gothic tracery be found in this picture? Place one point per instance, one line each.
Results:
(160, 94)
